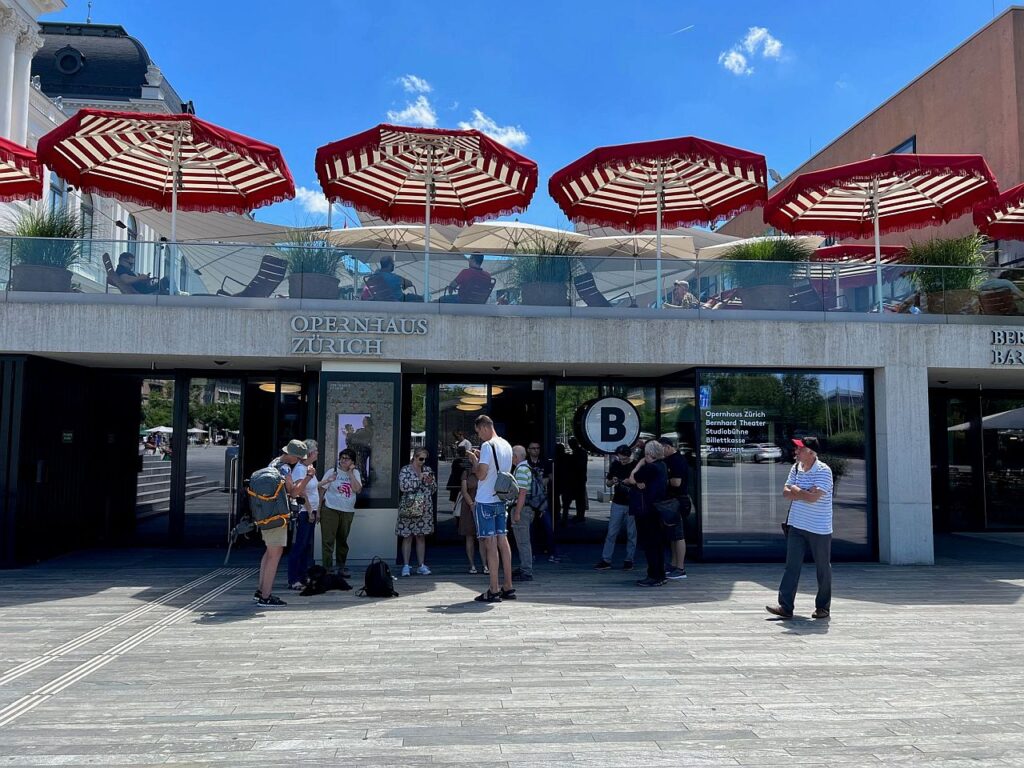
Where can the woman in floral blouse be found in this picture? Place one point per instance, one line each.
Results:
(415, 509)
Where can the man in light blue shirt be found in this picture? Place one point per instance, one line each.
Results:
(809, 526)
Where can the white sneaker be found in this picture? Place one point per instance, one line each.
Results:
(423, 570)
(406, 571)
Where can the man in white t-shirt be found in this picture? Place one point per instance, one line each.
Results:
(490, 512)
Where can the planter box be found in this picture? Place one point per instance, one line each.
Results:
(765, 297)
(963, 301)
(310, 285)
(544, 294)
(32, 277)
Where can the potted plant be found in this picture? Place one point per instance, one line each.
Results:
(312, 265)
(47, 242)
(542, 270)
(763, 270)
(952, 288)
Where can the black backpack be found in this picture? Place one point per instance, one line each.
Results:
(378, 581)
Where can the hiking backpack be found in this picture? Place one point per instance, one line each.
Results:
(268, 501)
(378, 581)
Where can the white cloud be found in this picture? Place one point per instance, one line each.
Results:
(509, 135)
(414, 84)
(419, 112)
(758, 42)
(735, 62)
(759, 38)
(312, 200)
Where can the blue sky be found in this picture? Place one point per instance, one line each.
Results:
(553, 79)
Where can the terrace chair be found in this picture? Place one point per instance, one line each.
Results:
(997, 301)
(380, 290)
(270, 274)
(114, 279)
(805, 299)
(592, 297)
(476, 291)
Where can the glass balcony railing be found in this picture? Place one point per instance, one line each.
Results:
(687, 287)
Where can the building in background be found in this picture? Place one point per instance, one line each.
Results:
(966, 103)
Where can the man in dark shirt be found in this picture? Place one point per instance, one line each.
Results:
(138, 283)
(542, 469)
(620, 468)
(472, 278)
(577, 491)
(648, 485)
(678, 488)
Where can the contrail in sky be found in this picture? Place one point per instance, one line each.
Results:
(684, 29)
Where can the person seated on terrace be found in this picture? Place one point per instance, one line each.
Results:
(474, 279)
(391, 285)
(138, 283)
(1003, 282)
(680, 297)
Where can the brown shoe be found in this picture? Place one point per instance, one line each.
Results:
(820, 613)
(777, 610)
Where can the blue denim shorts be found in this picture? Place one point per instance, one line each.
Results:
(491, 519)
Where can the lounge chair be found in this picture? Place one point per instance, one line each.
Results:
(114, 279)
(271, 272)
(805, 299)
(592, 297)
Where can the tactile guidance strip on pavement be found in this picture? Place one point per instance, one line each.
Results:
(42, 694)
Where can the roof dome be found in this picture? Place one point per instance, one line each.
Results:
(96, 61)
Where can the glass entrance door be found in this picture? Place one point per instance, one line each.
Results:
(1002, 438)
(211, 449)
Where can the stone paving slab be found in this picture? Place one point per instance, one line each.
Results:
(918, 667)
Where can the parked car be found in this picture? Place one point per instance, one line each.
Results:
(720, 458)
(758, 452)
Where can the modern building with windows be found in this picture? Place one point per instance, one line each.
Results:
(920, 415)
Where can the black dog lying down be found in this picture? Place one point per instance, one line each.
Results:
(318, 581)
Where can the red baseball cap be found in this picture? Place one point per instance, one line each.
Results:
(806, 442)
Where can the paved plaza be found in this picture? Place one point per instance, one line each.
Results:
(143, 657)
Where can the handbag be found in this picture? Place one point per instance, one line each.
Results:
(412, 506)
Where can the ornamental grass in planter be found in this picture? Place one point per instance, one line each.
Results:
(542, 270)
(951, 288)
(763, 270)
(47, 242)
(312, 266)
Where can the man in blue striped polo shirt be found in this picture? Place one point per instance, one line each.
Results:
(809, 489)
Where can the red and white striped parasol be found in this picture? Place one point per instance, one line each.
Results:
(21, 175)
(1003, 217)
(405, 174)
(890, 193)
(657, 184)
(168, 162)
(858, 252)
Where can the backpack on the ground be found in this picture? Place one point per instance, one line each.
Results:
(378, 581)
(268, 501)
(505, 486)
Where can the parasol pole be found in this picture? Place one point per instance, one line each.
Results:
(426, 244)
(660, 189)
(878, 244)
(172, 279)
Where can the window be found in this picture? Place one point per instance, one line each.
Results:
(69, 60)
(132, 231)
(58, 192)
(748, 420)
(86, 213)
(908, 147)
